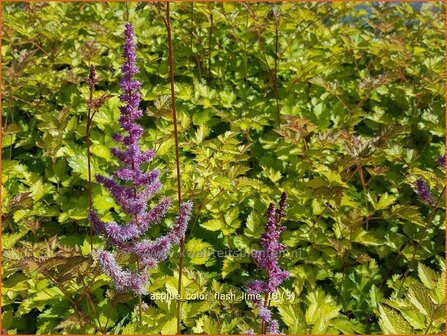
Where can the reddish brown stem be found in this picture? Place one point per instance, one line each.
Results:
(140, 301)
(177, 156)
(275, 78)
(266, 304)
(89, 165)
(362, 178)
(209, 44)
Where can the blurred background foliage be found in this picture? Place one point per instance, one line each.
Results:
(342, 105)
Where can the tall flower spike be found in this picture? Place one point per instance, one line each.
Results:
(267, 260)
(133, 199)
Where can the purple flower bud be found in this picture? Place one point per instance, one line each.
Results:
(441, 161)
(124, 280)
(423, 191)
(179, 229)
(256, 287)
(264, 314)
(92, 77)
(283, 203)
(273, 328)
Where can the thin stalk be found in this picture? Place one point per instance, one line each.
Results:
(11, 109)
(89, 165)
(431, 320)
(177, 156)
(127, 11)
(209, 45)
(264, 325)
(275, 78)
(362, 178)
(63, 290)
(89, 301)
(191, 34)
(140, 301)
(135, 219)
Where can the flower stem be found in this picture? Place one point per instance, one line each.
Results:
(362, 178)
(140, 304)
(177, 158)
(89, 166)
(275, 78)
(266, 304)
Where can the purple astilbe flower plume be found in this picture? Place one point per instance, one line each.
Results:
(267, 260)
(133, 197)
(423, 191)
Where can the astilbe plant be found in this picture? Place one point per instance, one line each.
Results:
(133, 199)
(267, 260)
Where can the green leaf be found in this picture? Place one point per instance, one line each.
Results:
(210, 326)
(392, 323)
(254, 227)
(272, 174)
(10, 239)
(78, 164)
(439, 291)
(408, 212)
(213, 225)
(170, 327)
(229, 265)
(103, 203)
(291, 315)
(384, 202)
(202, 117)
(375, 296)
(420, 298)
(101, 151)
(367, 238)
(40, 189)
(319, 326)
(427, 276)
(198, 251)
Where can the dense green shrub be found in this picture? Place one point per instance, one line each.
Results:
(342, 105)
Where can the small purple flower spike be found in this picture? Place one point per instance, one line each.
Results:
(267, 259)
(134, 199)
(92, 76)
(441, 161)
(423, 191)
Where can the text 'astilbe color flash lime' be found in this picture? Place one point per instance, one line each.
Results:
(133, 200)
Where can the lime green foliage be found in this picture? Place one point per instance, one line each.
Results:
(421, 310)
(360, 95)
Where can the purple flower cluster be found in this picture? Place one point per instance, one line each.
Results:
(133, 200)
(423, 191)
(267, 259)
